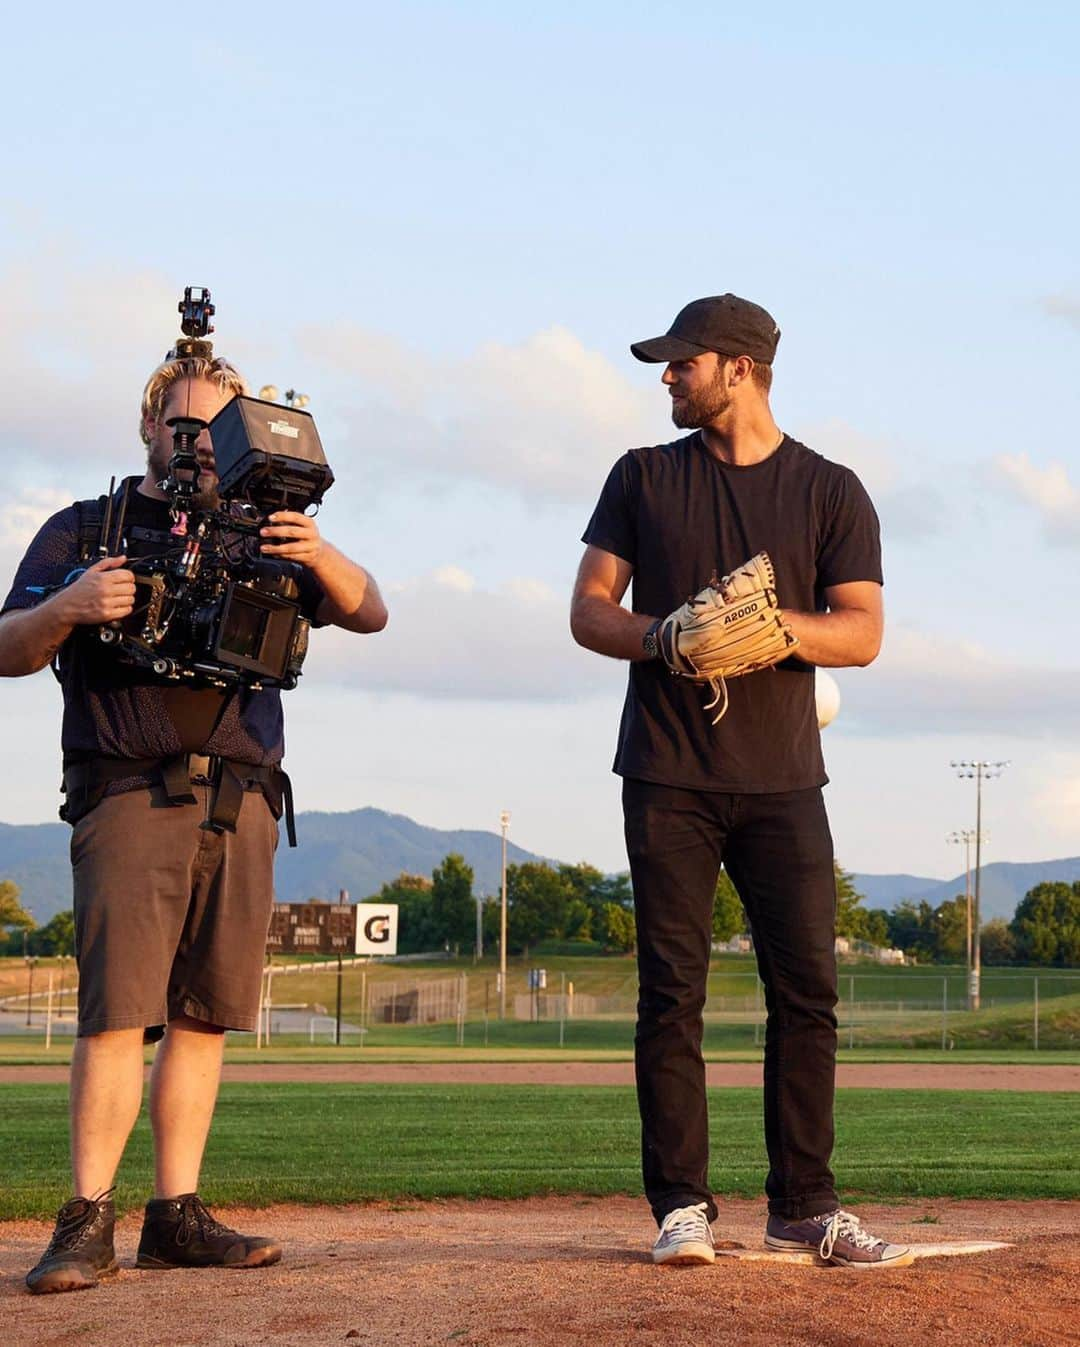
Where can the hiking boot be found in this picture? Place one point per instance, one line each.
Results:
(685, 1237)
(180, 1232)
(81, 1249)
(836, 1237)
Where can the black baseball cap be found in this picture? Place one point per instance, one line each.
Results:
(723, 323)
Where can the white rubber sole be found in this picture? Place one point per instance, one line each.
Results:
(793, 1246)
(685, 1255)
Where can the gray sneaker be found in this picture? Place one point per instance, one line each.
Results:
(836, 1237)
(685, 1237)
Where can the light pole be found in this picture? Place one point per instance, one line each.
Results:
(966, 836)
(269, 393)
(31, 959)
(981, 771)
(504, 822)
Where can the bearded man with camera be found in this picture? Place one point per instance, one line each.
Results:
(173, 786)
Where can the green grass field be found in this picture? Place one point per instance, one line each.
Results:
(340, 1143)
(730, 976)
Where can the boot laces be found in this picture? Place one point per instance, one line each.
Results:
(842, 1225)
(194, 1218)
(75, 1222)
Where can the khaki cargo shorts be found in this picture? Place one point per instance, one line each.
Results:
(170, 919)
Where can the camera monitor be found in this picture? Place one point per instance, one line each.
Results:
(269, 455)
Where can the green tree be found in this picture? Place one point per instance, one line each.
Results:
(584, 882)
(14, 918)
(418, 932)
(911, 928)
(613, 889)
(852, 919)
(728, 917)
(55, 937)
(616, 928)
(1046, 927)
(877, 926)
(537, 899)
(453, 906)
(950, 930)
(998, 945)
(579, 920)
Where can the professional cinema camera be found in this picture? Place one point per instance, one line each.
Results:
(210, 611)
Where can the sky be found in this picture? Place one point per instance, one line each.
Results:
(445, 223)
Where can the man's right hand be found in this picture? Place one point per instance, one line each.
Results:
(105, 592)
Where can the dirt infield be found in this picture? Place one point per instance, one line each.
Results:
(883, 1075)
(563, 1270)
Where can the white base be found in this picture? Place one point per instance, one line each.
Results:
(812, 1260)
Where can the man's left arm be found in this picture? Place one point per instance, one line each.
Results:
(848, 634)
(351, 596)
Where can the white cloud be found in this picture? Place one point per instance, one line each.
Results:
(1057, 805)
(21, 517)
(546, 417)
(907, 510)
(926, 683)
(1049, 490)
(1063, 306)
(76, 347)
(451, 638)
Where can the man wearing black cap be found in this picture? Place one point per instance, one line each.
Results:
(746, 791)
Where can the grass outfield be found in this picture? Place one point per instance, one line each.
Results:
(343, 1143)
(731, 976)
(596, 1042)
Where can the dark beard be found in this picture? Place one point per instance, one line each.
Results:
(695, 412)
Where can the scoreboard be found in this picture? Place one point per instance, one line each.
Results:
(333, 928)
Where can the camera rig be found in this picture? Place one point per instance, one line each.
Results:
(209, 610)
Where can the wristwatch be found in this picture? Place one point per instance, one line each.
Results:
(648, 641)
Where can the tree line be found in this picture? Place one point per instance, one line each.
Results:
(573, 905)
(584, 910)
(1045, 929)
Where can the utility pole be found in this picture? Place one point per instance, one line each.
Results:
(979, 770)
(504, 822)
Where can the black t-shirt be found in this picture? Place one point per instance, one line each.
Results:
(115, 710)
(676, 513)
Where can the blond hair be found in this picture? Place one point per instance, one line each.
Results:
(216, 369)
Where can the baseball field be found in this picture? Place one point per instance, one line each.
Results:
(427, 1192)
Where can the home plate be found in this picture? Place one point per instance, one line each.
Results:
(812, 1260)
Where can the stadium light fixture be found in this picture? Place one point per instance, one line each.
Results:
(978, 770)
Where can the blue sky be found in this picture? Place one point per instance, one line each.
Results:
(445, 223)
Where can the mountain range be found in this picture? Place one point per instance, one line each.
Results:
(1002, 885)
(361, 850)
(358, 851)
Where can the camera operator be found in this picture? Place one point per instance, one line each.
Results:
(171, 905)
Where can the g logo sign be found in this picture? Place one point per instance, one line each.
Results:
(377, 929)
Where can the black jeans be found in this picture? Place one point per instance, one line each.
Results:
(778, 851)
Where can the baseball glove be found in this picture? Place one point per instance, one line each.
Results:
(731, 628)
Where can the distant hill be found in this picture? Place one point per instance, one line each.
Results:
(358, 851)
(35, 856)
(1002, 886)
(364, 848)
